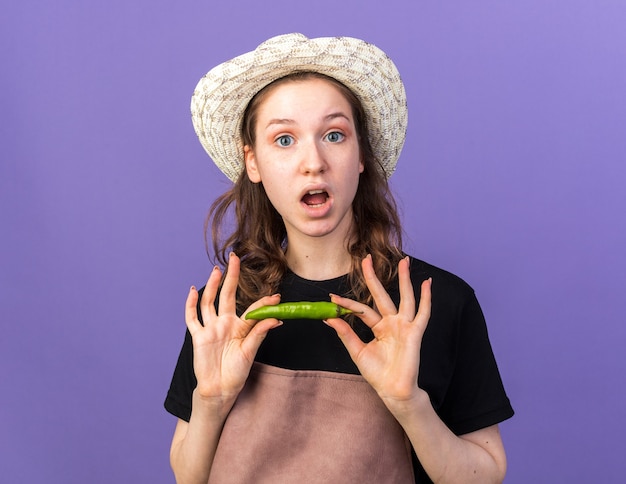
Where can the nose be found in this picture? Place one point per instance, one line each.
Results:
(312, 159)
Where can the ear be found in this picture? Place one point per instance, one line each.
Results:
(251, 167)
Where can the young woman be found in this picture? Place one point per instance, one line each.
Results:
(406, 389)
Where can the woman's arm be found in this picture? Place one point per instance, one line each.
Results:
(224, 348)
(477, 457)
(195, 442)
(390, 363)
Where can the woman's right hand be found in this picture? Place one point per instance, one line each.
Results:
(225, 347)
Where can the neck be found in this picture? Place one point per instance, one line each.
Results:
(317, 259)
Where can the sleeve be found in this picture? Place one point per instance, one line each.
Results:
(476, 397)
(179, 395)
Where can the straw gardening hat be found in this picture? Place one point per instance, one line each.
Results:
(222, 95)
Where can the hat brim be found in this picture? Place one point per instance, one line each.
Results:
(222, 95)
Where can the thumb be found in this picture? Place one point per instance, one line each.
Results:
(346, 334)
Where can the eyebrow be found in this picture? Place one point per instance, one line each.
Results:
(328, 117)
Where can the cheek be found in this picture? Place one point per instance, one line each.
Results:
(354, 189)
(276, 192)
(350, 186)
(281, 204)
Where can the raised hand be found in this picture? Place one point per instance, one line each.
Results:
(390, 362)
(225, 347)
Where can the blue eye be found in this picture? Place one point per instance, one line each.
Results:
(284, 140)
(335, 137)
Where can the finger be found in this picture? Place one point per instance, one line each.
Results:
(228, 302)
(348, 337)
(366, 314)
(264, 301)
(207, 303)
(251, 343)
(191, 310)
(425, 306)
(407, 296)
(383, 302)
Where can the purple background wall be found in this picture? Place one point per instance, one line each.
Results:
(512, 176)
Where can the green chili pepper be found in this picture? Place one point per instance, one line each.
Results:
(299, 310)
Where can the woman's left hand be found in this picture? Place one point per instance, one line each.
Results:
(390, 362)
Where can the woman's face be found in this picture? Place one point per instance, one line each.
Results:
(307, 156)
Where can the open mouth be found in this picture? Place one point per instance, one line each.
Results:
(315, 198)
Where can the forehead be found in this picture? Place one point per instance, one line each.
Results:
(308, 93)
